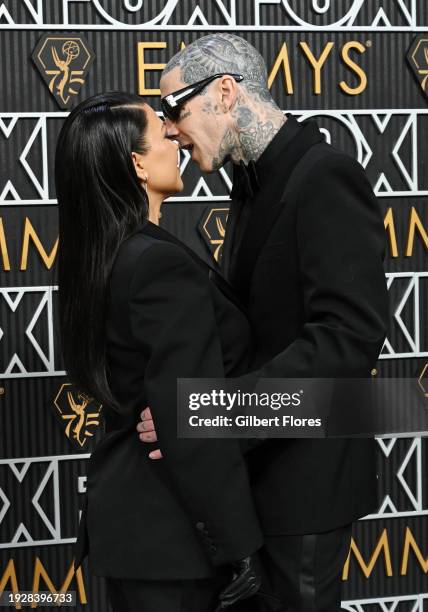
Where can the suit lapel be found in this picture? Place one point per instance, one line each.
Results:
(226, 250)
(265, 213)
(155, 231)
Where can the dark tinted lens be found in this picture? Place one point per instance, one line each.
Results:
(169, 111)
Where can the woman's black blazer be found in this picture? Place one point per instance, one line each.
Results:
(180, 517)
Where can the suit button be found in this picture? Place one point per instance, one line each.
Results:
(200, 526)
(213, 549)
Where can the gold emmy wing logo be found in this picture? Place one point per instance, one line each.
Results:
(79, 414)
(417, 57)
(213, 228)
(423, 380)
(63, 61)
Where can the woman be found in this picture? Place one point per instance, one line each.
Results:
(138, 311)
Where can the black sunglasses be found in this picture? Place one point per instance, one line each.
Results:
(171, 104)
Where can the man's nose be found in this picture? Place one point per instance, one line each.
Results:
(171, 128)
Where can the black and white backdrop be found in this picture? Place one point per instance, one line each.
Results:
(360, 68)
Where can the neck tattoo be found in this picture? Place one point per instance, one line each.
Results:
(256, 126)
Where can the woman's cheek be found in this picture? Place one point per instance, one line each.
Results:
(179, 183)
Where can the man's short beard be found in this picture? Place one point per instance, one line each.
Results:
(225, 149)
(218, 163)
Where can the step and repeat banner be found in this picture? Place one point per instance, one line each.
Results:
(360, 67)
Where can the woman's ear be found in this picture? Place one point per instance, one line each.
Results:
(137, 158)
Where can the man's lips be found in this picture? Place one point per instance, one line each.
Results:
(188, 146)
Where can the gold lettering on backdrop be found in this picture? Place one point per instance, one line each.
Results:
(282, 60)
(317, 64)
(415, 222)
(40, 572)
(367, 569)
(415, 230)
(30, 232)
(353, 91)
(9, 575)
(410, 542)
(3, 248)
(143, 66)
(281, 66)
(390, 228)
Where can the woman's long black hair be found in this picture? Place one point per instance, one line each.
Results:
(101, 202)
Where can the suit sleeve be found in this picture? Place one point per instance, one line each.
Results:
(341, 245)
(173, 321)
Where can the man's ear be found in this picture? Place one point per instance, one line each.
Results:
(228, 92)
(137, 158)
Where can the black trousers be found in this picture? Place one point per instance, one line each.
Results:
(301, 573)
(165, 595)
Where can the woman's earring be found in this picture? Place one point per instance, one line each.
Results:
(145, 183)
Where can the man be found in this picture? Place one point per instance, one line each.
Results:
(304, 248)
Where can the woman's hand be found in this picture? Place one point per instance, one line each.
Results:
(147, 432)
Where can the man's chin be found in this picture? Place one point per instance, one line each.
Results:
(205, 166)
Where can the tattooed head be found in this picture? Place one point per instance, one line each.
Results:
(228, 120)
(223, 52)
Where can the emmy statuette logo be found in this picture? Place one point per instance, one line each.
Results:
(417, 57)
(213, 229)
(423, 380)
(79, 414)
(63, 61)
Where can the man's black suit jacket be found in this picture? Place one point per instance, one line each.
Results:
(191, 512)
(309, 267)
